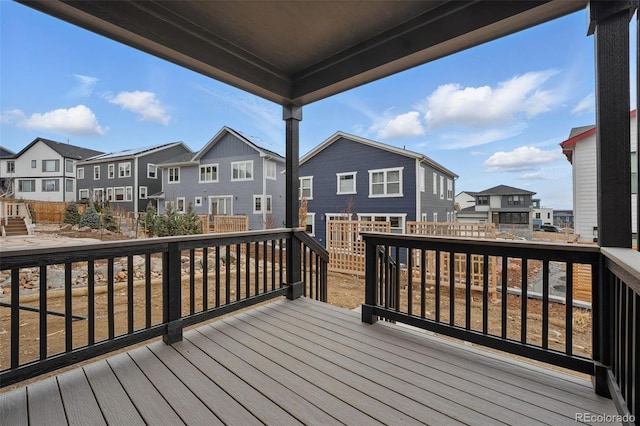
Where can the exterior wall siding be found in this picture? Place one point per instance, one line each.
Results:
(153, 185)
(585, 189)
(431, 203)
(104, 182)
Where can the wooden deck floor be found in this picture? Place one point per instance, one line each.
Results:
(303, 362)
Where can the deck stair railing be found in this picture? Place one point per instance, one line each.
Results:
(138, 291)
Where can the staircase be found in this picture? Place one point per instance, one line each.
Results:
(15, 226)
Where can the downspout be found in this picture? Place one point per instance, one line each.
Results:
(135, 193)
(264, 193)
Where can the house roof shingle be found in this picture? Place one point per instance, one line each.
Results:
(505, 190)
(135, 152)
(64, 149)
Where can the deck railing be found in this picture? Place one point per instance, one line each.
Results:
(527, 319)
(115, 294)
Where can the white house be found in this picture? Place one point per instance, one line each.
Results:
(45, 170)
(580, 149)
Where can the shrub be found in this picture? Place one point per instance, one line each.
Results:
(72, 215)
(190, 222)
(90, 218)
(150, 219)
(108, 219)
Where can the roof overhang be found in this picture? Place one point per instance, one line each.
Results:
(298, 52)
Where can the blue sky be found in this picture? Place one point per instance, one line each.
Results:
(494, 114)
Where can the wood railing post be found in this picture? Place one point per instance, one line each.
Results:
(172, 294)
(369, 283)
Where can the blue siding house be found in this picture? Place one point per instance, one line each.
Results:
(230, 175)
(351, 177)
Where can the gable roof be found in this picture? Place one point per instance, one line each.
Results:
(505, 190)
(249, 140)
(136, 152)
(6, 153)
(64, 149)
(185, 159)
(379, 145)
(580, 133)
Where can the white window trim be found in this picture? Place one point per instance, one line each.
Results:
(184, 205)
(110, 195)
(169, 181)
(128, 193)
(152, 167)
(85, 192)
(435, 183)
(66, 163)
(442, 187)
(66, 181)
(205, 166)
(143, 191)
(263, 203)
(311, 216)
(449, 189)
(422, 175)
(122, 167)
(124, 194)
(339, 175)
(403, 217)
(239, 163)
(197, 202)
(97, 191)
(96, 168)
(268, 164)
(211, 197)
(310, 178)
(80, 173)
(386, 171)
(111, 171)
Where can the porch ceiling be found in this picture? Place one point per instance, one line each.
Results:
(293, 52)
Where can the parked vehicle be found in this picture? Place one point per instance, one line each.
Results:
(551, 228)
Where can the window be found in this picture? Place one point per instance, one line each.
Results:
(385, 183)
(11, 166)
(396, 221)
(514, 218)
(198, 201)
(634, 172)
(209, 173)
(50, 185)
(242, 170)
(143, 192)
(435, 183)
(110, 194)
(306, 188)
(449, 189)
(261, 202)
(537, 215)
(449, 216)
(180, 205)
(111, 171)
(310, 225)
(422, 177)
(98, 195)
(168, 206)
(80, 173)
(124, 169)
(83, 194)
(118, 194)
(68, 185)
(174, 174)
(152, 171)
(27, 185)
(222, 205)
(270, 169)
(515, 200)
(49, 165)
(129, 193)
(96, 172)
(442, 187)
(68, 165)
(435, 216)
(482, 200)
(346, 183)
(34, 164)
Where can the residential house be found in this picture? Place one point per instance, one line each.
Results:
(580, 150)
(125, 178)
(231, 175)
(45, 170)
(503, 205)
(348, 176)
(563, 218)
(6, 183)
(465, 199)
(541, 215)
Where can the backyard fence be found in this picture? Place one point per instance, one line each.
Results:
(345, 246)
(230, 223)
(47, 211)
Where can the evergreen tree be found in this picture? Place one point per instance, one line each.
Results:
(72, 215)
(150, 218)
(190, 222)
(90, 218)
(108, 219)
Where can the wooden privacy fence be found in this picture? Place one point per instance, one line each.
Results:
(48, 211)
(345, 245)
(230, 223)
(454, 229)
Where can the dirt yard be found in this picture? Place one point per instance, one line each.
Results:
(343, 290)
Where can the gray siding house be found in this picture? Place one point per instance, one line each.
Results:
(347, 176)
(230, 175)
(503, 205)
(126, 178)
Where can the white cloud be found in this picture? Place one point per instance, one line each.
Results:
(145, 104)
(481, 106)
(86, 85)
(11, 116)
(467, 140)
(531, 176)
(403, 125)
(78, 120)
(587, 104)
(521, 159)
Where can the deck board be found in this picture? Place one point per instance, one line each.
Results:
(304, 362)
